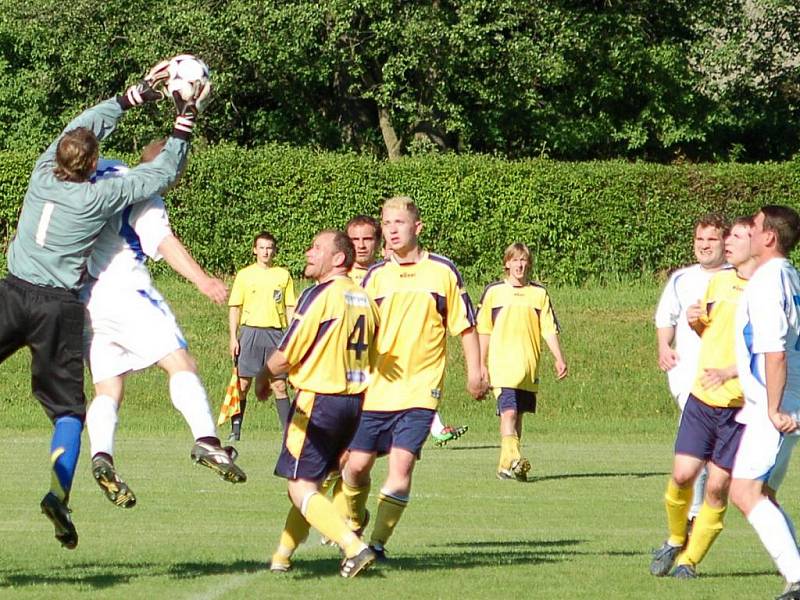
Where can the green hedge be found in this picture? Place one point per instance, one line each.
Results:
(584, 221)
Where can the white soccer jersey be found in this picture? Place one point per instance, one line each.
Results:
(129, 326)
(128, 239)
(685, 287)
(768, 320)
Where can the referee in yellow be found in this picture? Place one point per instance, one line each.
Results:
(327, 353)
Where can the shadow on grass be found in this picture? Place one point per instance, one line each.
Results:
(643, 475)
(472, 447)
(102, 576)
(470, 555)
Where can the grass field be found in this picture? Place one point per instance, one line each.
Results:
(600, 448)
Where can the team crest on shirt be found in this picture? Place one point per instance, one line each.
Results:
(277, 295)
(436, 393)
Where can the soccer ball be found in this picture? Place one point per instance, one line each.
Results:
(184, 71)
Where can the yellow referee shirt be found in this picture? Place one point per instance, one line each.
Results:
(516, 319)
(418, 303)
(718, 342)
(263, 295)
(330, 338)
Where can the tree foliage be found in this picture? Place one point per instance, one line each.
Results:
(652, 79)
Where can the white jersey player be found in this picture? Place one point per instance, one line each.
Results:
(678, 344)
(130, 327)
(768, 362)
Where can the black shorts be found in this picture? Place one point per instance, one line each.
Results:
(49, 321)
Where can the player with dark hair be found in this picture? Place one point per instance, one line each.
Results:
(260, 305)
(62, 215)
(327, 351)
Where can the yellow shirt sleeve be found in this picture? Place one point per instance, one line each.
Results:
(547, 322)
(302, 331)
(485, 324)
(289, 296)
(237, 291)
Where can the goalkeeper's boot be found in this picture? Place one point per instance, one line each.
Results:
(218, 459)
(520, 468)
(58, 513)
(280, 564)
(448, 434)
(115, 489)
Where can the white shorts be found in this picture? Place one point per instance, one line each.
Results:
(128, 330)
(763, 453)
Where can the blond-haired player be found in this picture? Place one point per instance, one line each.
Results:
(421, 297)
(515, 316)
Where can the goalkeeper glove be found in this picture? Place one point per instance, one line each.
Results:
(149, 89)
(189, 109)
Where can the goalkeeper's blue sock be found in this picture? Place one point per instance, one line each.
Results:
(64, 450)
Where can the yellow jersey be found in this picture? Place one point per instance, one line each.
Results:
(418, 304)
(718, 340)
(263, 295)
(329, 342)
(516, 318)
(357, 274)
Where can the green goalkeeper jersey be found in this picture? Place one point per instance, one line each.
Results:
(60, 220)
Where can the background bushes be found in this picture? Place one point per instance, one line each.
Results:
(584, 221)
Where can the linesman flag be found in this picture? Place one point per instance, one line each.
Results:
(230, 406)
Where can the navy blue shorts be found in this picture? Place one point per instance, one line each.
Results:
(320, 429)
(521, 401)
(381, 431)
(709, 433)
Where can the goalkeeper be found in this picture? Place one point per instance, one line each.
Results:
(62, 214)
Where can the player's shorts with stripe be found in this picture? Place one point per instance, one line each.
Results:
(50, 322)
(127, 330)
(256, 344)
(709, 433)
(380, 431)
(521, 401)
(319, 431)
(764, 452)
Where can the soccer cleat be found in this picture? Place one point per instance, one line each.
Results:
(505, 474)
(355, 564)
(234, 436)
(684, 572)
(448, 434)
(58, 513)
(279, 564)
(115, 489)
(520, 468)
(663, 559)
(380, 553)
(791, 592)
(219, 460)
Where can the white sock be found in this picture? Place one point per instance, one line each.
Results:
(789, 522)
(437, 426)
(189, 398)
(771, 527)
(699, 492)
(101, 423)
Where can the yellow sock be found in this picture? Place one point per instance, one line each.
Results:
(509, 451)
(322, 516)
(390, 509)
(295, 532)
(677, 501)
(330, 481)
(707, 526)
(355, 501)
(340, 500)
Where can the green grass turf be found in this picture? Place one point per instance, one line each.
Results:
(600, 447)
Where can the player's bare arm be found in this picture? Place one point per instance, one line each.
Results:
(667, 356)
(476, 384)
(775, 370)
(178, 257)
(276, 365)
(694, 314)
(555, 349)
(712, 379)
(234, 313)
